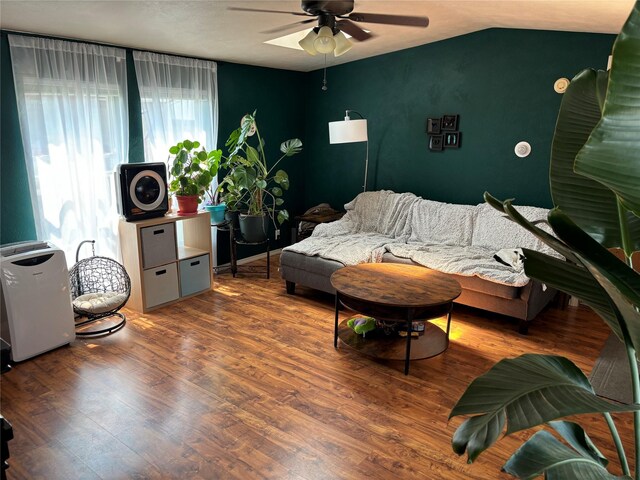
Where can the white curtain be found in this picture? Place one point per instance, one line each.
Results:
(72, 105)
(179, 98)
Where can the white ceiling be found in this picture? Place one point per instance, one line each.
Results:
(207, 29)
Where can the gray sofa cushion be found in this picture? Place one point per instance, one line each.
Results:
(317, 265)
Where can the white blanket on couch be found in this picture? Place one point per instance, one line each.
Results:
(409, 227)
(373, 219)
(468, 261)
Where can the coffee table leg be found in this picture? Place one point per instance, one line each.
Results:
(449, 321)
(408, 356)
(335, 331)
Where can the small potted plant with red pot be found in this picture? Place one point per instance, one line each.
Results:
(192, 170)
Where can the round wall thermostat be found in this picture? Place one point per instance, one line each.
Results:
(561, 84)
(523, 149)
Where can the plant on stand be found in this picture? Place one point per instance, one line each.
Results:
(191, 173)
(214, 206)
(595, 183)
(252, 182)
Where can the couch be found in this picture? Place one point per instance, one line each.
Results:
(460, 240)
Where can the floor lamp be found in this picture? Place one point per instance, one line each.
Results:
(351, 131)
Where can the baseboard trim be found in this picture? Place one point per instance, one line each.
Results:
(259, 256)
(252, 258)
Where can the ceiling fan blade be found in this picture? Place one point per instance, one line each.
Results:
(289, 25)
(354, 30)
(243, 9)
(407, 20)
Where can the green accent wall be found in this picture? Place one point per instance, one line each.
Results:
(499, 81)
(16, 214)
(278, 96)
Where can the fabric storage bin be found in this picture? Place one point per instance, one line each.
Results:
(158, 245)
(194, 275)
(161, 285)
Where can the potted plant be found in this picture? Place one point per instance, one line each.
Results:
(252, 182)
(192, 172)
(595, 173)
(214, 206)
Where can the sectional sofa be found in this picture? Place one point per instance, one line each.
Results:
(460, 240)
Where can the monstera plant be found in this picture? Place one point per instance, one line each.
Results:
(595, 184)
(253, 181)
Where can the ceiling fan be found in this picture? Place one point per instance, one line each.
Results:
(335, 18)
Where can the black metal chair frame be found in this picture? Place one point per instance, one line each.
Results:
(93, 275)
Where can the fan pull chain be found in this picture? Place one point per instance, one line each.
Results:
(324, 79)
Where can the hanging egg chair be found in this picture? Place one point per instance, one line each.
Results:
(100, 287)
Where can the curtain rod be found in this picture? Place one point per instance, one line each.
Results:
(105, 44)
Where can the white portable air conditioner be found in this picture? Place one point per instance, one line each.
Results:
(36, 302)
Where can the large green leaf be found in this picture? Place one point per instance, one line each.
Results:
(252, 154)
(611, 155)
(621, 282)
(577, 438)
(291, 147)
(528, 390)
(544, 454)
(477, 434)
(573, 279)
(590, 204)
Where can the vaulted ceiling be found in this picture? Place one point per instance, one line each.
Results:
(209, 29)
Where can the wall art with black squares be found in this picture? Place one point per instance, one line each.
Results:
(444, 132)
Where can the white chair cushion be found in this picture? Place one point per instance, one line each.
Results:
(100, 302)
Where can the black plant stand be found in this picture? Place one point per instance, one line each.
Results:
(234, 241)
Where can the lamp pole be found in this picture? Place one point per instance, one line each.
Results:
(366, 158)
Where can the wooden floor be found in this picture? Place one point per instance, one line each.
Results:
(243, 382)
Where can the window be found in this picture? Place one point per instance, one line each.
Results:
(179, 98)
(72, 105)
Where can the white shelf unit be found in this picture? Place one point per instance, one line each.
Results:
(162, 269)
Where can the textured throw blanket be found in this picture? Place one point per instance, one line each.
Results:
(348, 249)
(373, 219)
(411, 227)
(468, 261)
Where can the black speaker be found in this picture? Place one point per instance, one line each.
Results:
(141, 189)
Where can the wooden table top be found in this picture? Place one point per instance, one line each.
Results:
(396, 285)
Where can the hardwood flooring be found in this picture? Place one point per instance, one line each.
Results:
(243, 382)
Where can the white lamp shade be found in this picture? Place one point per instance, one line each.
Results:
(307, 43)
(348, 131)
(324, 42)
(343, 44)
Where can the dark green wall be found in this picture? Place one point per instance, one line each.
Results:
(276, 94)
(16, 217)
(499, 81)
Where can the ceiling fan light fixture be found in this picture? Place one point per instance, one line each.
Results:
(343, 44)
(324, 42)
(307, 43)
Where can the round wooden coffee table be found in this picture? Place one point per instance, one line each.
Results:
(395, 293)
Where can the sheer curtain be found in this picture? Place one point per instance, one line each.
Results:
(179, 98)
(72, 105)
